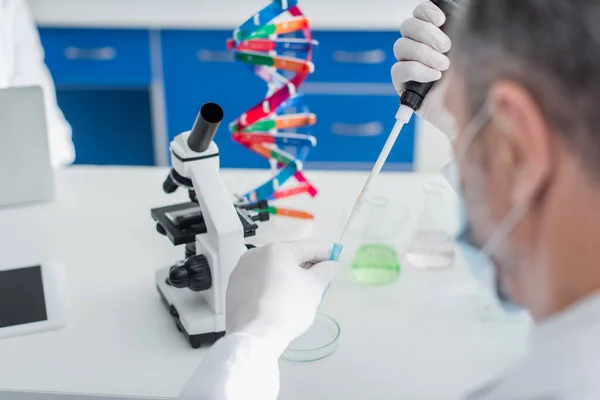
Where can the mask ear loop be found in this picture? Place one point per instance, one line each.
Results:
(472, 130)
(514, 216)
(505, 227)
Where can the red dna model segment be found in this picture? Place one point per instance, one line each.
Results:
(260, 129)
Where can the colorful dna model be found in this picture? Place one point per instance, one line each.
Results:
(272, 128)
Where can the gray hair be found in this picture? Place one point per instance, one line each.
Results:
(549, 47)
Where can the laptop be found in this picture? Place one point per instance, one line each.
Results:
(26, 174)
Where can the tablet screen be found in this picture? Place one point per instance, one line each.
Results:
(22, 296)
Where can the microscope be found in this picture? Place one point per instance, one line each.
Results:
(211, 226)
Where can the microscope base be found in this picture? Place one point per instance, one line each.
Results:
(195, 312)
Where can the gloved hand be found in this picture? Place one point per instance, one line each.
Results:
(420, 54)
(274, 291)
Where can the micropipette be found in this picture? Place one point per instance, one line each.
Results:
(411, 100)
(402, 117)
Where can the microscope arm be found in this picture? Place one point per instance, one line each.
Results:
(223, 245)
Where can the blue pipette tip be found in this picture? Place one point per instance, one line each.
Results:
(336, 252)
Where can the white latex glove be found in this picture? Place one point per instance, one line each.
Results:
(274, 291)
(420, 54)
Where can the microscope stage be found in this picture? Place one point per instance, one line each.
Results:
(185, 228)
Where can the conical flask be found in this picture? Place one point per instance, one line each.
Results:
(431, 246)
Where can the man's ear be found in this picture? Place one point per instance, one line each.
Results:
(524, 140)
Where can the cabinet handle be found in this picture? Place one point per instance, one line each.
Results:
(98, 54)
(369, 129)
(349, 88)
(206, 55)
(376, 56)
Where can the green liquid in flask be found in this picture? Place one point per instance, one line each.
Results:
(376, 264)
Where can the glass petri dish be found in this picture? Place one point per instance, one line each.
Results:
(319, 342)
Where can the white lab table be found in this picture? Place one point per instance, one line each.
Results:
(422, 337)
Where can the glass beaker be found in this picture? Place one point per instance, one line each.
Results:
(376, 261)
(431, 246)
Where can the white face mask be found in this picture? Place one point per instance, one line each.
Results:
(479, 258)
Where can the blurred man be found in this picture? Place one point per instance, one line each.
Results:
(523, 89)
(22, 64)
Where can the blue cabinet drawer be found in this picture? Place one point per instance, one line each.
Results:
(350, 56)
(110, 127)
(98, 57)
(198, 68)
(351, 131)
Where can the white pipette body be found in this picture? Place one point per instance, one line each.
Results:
(402, 117)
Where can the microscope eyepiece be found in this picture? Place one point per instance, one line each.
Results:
(207, 122)
(212, 113)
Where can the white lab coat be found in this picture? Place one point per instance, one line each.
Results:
(22, 64)
(563, 364)
(563, 361)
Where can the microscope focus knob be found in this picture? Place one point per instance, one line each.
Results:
(199, 270)
(194, 274)
(178, 277)
(169, 185)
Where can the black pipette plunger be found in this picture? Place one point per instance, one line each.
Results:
(415, 92)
